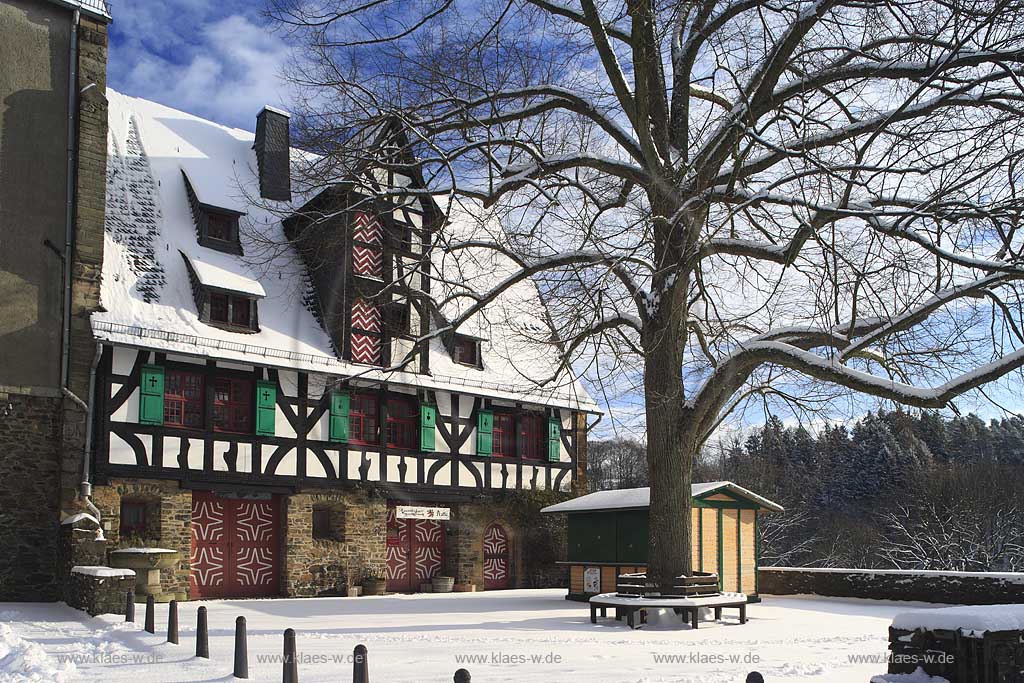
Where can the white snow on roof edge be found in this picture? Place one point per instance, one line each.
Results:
(78, 516)
(102, 572)
(619, 499)
(213, 275)
(971, 620)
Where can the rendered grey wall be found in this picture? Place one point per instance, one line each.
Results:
(34, 44)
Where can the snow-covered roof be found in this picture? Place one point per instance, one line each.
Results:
(970, 620)
(221, 276)
(146, 292)
(639, 498)
(95, 8)
(102, 572)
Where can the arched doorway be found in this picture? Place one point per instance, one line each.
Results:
(496, 558)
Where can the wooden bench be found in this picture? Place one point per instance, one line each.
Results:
(630, 607)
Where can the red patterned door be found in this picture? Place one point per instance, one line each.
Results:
(496, 553)
(234, 546)
(415, 552)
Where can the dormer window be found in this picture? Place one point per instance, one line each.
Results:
(231, 310)
(466, 351)
(216, 226)
(225, 298)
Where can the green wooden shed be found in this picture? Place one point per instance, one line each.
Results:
(608, 536)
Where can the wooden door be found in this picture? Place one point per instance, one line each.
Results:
(496, 558)
(415, 552)
(234, 546)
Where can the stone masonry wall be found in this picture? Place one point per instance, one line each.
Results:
(466, 529)
(357, 549)
(172, 521)
(29, 472)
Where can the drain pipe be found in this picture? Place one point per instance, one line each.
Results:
(85, 488)
(69, 210)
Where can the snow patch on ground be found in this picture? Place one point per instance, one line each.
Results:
(22, 661)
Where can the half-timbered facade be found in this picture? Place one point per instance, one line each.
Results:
(270, 400)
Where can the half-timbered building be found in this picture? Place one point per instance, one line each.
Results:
(274, 398)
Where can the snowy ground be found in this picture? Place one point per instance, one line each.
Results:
(527, 635)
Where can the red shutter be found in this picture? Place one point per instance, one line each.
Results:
(366, 257)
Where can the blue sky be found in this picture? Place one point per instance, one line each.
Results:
(216, 59)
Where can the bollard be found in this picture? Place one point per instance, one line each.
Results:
(172, 622)
(754, 677)
(150, 615)
(360, 667)
(202, 635)
(241, 650)
(291, 668)
(129, 606)
(461, 676)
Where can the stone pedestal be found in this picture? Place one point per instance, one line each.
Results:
(147, 563)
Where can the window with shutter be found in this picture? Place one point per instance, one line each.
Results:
(339, 417)
(484, 432)
(151, 395)
(504, 435)
(554, 440)
(266, 407)
(428, 420)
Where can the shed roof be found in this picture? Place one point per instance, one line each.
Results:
(639, 498)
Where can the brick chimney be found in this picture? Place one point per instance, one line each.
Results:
(272, 145)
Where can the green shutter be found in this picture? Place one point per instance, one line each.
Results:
(340, 402)
(554, 440)
(484, 432)
(428, 418)
(151, 395)
(266, 402)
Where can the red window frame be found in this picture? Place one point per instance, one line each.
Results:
(533, 431)
(363, 419)
(503, 435)
(403, 425)
(232, 405)
(184, 394)
(133, 518)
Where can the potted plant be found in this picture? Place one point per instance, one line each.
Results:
(464, 585)
(374, 585)
(442, 584)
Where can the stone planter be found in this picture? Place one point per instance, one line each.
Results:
(374, 586)
(147, 563)
(354, 591)
(442, 584)
(465, 588)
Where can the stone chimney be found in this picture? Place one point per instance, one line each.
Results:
(273, 145)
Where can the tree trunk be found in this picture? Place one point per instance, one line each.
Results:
(670, 453)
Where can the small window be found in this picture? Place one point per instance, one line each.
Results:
(362, 419)
(396, 318)
(183, 399)
(321, 523)
(403, 426)
(533, 430)
(504, 435)
(231, 311)
(220, 226)
(232, 405)
(133, 518)
(466, 351)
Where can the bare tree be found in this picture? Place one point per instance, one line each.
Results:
(720, 200)
(616, 464)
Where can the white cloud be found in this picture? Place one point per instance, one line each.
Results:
(220, 67)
